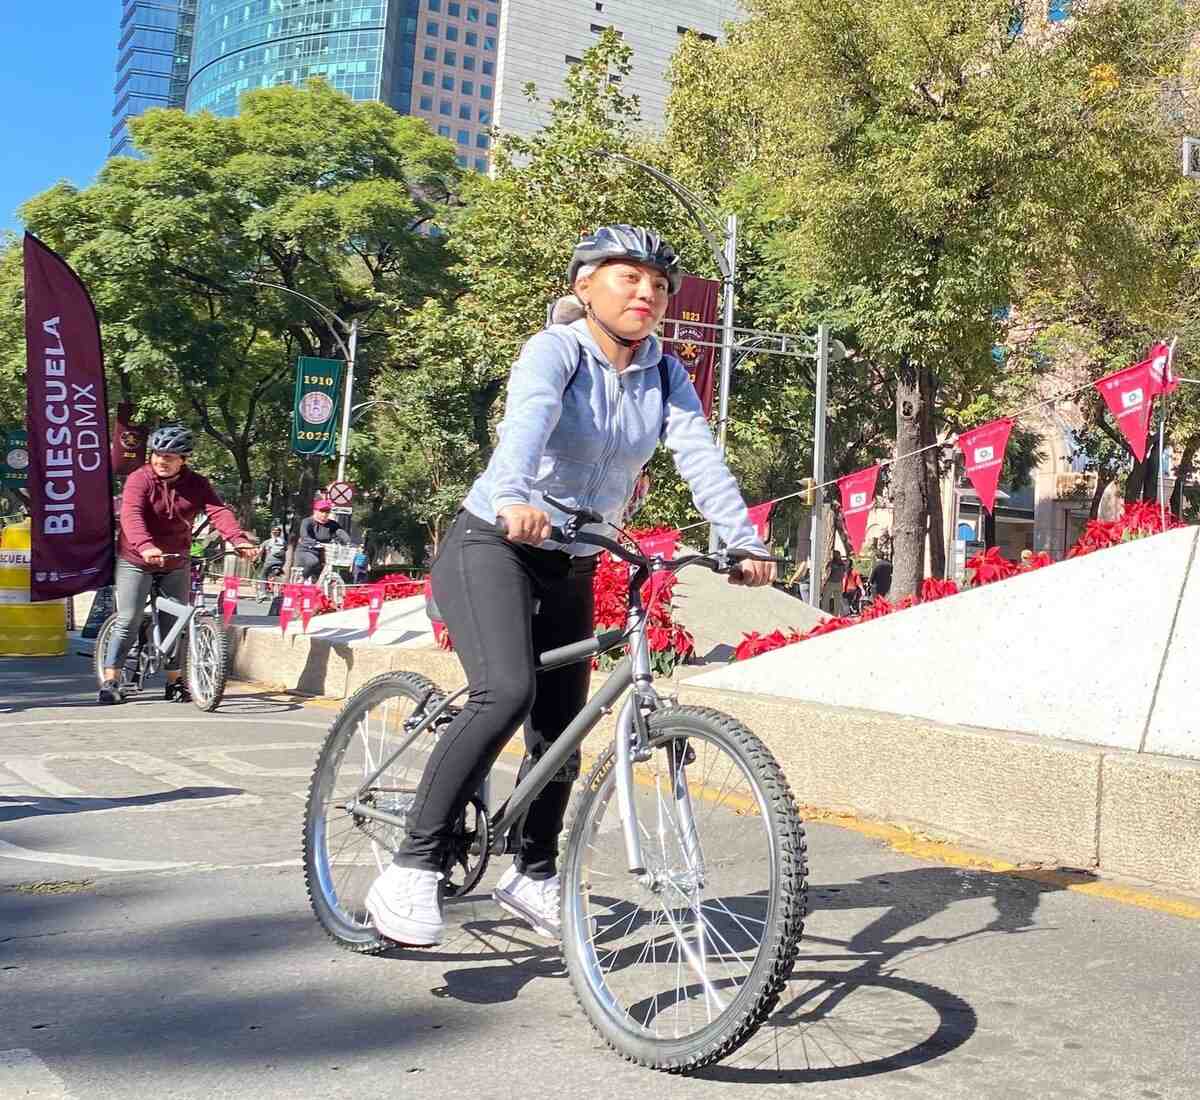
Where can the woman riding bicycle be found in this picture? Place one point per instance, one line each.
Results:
(158, 505)
(317, 533)
(585, 411)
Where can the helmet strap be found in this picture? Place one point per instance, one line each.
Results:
(623, 341)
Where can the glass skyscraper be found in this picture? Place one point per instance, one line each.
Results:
(356, 45)
(153, 57)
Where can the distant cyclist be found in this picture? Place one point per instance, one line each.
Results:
(274, 554)
(317, 533)
(588, 403)
(158, 504)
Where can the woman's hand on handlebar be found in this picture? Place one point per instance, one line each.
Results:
(753, 573)
(524, 523)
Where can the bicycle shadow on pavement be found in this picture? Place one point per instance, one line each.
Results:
(20, 807)
(848, 1011)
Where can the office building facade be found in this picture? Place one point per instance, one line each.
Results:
(541, 39)
(153, 58)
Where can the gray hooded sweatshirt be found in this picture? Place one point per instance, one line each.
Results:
(584, 440)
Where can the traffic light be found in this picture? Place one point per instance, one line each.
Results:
(808, 491)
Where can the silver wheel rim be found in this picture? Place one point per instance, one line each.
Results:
(204, 660)
(667, 957)
(349, 851)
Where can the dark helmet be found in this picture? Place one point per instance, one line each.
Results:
(174, 439)
(626, 242)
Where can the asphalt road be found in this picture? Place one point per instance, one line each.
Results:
(155, 940)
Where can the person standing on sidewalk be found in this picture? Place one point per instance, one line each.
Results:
(158, 504)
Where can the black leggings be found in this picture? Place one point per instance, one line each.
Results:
(485, 586)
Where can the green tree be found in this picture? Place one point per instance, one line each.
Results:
(921, 157)
(304, 188)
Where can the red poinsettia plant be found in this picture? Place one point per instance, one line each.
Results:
(1137, 521)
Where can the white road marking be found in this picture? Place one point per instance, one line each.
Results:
(223, 757)
(222, 719)
(34, 770)
(99, 863)
(24, 1074)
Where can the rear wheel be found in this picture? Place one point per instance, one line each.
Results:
(343, 851)
(129, 672)
(207, 664)
(677, 967)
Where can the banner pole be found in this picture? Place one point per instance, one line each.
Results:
(729, 282)
(344, 442)
(817, 549)
(1162, 485)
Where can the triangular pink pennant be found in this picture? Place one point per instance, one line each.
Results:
(662, 542)
(1162, 369)
(229, 598)
(760, 516)
(308, 603)
(287, 605)
(984, 448)
(858, 497)
(1129, 394)
(375, 594)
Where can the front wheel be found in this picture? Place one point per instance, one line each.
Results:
(677, 967)
(207, 663)
(130, 678)
(333, 588)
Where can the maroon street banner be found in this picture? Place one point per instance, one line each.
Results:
(129, 442)
(858, 497)
(66, 413)
(664, 543)
(1128, 394)
(1162, 374)
(984, 448)
(684, 334)
(760, 516)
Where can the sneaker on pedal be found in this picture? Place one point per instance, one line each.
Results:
(111, 693)
(403, 903)
(533, 900)
(177, 692)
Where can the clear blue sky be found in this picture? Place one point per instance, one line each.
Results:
(56, 95)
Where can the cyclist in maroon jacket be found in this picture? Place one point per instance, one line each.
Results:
(158, 504)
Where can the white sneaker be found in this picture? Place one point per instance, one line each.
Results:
(403, 903)
(535, 901)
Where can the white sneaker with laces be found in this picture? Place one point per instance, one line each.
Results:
(535, 901)
(403, 903)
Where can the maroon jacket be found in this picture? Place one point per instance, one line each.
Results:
(159, 513)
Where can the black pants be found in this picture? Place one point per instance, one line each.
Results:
(485, 586)
(310, 563)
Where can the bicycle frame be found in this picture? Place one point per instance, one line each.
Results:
(633, 675)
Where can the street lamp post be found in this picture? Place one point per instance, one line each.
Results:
(349, 349)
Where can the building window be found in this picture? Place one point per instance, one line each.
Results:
(1059, 11)
(468, 63)
(435, 5)
(485, 116)
(597, 28)
(699, 34)
(485, 91)
(430, 53)
(489, 43)
(461, 160)
(444, 108)
(443, 131)
(599, 6)
(472, 38)
(472, 15)
(451, 33)
(489, 67)
(464, 137)
(455, 8)
(467, 87)
(480, 164)
(427, 79)
(464, 112)
(492, 21)
(426, 103)
(450, 57)
(431, 29)
(482, 141)
(571, 59)
(447, 83)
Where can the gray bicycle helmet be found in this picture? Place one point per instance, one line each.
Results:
(626, 242)
(174, 439)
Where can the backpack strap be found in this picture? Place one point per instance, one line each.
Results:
(664, 384)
